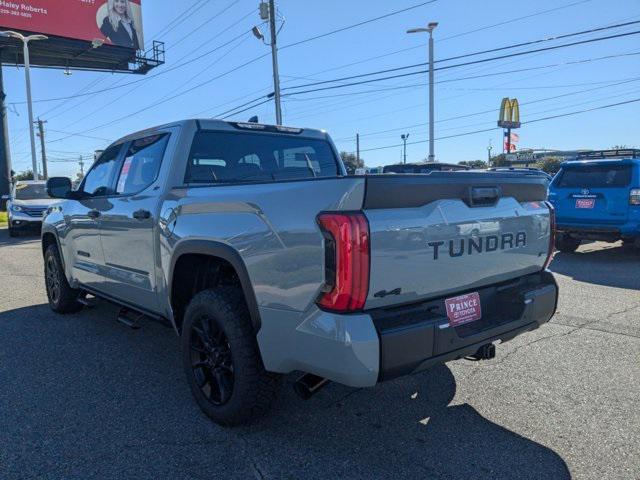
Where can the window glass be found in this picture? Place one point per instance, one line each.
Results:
(141, 164)
(220, 157)
(100, 178)
(30, 191)
(594, 176)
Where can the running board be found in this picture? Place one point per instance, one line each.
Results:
(130, 318)
(87, 302)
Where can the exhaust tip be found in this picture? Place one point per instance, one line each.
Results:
(308, 385)
(485, 352)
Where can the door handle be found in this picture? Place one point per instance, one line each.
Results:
(142, 214)
(93, 214)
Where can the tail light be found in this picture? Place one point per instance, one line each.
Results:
(634, 196)
(346, 261)
(552, 235)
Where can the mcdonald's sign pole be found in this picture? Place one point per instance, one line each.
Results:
(509, 117)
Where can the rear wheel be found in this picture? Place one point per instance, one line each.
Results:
(567, 244)
(62, 298)
(221, 359)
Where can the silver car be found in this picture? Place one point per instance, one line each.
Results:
(27, 205)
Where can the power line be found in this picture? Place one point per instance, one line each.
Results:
(165, 100)
(205, 23)
(512, 20)
(577, 112)
(494, 110)
(355, 25)
(180, 18)
(406, 67)
(363, 82)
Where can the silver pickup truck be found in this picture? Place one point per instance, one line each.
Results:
(252, 243)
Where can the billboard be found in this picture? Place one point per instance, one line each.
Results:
(116, 22)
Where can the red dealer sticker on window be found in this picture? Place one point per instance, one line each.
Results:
(463, 309)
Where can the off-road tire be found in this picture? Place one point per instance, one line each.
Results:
(253, 388)
(62, 298)
(567, 244)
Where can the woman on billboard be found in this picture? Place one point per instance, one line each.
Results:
(119, 24)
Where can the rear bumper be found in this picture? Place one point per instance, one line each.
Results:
(361, 350)
(600, 232)
(508, 310)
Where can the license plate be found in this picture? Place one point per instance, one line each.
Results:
(585, 202)
(463, 309)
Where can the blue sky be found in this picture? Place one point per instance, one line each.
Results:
(401, 110)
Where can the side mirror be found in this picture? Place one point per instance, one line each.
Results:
(5, 197)
(59, 187)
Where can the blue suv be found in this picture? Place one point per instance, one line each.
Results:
(597, 197)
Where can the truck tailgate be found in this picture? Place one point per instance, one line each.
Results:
(452, 232)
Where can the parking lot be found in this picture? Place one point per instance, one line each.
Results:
(82, 396)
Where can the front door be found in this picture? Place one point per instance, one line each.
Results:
(82, 245)
(128, 229)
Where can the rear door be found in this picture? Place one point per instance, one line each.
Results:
(127, 230)
(592, 193)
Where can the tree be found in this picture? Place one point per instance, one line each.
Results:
(549, 164)
(478, 164)
(28, 175)
(500, 161)
(351, 163)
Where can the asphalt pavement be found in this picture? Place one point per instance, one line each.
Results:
(82, 397)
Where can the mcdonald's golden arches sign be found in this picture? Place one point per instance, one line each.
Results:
(509, 113)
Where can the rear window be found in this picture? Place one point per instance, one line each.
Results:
(220, 157)
(595, 176)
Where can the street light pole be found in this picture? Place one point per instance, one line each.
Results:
(404, 138)
(25, 48)
(429, 29)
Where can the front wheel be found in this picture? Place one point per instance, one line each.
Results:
(62, 298)
(567, 244)
(13, 232)
(221, 359)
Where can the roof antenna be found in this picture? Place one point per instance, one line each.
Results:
(253, 119)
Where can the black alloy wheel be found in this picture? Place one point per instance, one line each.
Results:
(211, 360)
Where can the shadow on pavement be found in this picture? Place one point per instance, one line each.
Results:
(601, 264)
(26, 237)
(385, 433)
(81, 396)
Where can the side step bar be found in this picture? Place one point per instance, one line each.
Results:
(130, 318)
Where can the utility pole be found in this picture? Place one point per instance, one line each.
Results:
(40, 124)
(274, 59)
(81, 162)
(429, 29)
(404, 138)
(358, 148)
(489, 148)
(5, 155)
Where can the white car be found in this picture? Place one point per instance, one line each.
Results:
(27, 205)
